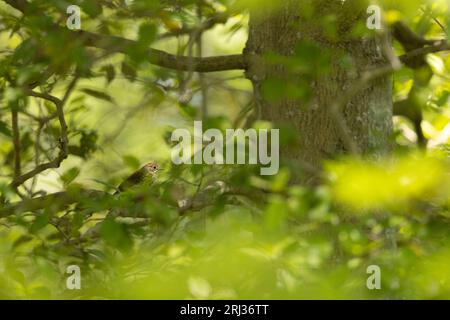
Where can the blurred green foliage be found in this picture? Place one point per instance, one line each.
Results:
(282, 241)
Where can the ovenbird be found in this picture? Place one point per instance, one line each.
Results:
(144, 176)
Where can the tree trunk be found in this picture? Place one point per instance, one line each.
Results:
(368, 115)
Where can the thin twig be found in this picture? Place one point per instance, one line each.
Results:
(219, 18)
(16, 142)
(63, 140)
(434, 19)
(201, 76)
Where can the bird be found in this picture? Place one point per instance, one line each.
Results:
(146, 175)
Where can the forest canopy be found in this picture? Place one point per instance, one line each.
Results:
(346, 101)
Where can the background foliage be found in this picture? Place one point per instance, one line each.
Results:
(273, 240)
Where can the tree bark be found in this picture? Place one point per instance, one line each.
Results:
(368, 115)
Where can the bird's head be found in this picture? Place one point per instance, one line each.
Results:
(151, 168)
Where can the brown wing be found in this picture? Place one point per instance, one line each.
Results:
(132, 180)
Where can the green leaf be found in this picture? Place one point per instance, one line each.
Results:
(4, 128)
(92, 8)
(116, 234)
(70, 175)
(98, 94)
(443, 99)
(147, 33)
(274, 90)
(17, 275)
(188, 110)
(77, 220)
(131, 161)
(22, 240)
(128, 71)
(110, 73)
(40, 222)
(275, 215)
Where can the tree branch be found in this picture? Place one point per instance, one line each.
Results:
(56, 201)
(61, 200)
(17, 4)
(63, 140)
(156, 57)
(162, 58)
(16, 142)
(438, 46)
(416, 46)
(207, 64)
